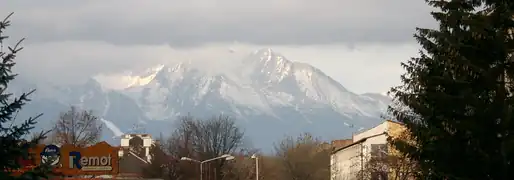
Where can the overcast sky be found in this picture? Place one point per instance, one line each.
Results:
(358, 42)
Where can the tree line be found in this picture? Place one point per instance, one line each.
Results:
(299, 158)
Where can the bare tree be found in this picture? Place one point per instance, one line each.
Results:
(303, 158)
(392, 167)
(243, 168)
(77, 127)
(180, 144)
(203, 139)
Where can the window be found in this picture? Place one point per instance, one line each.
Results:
(379, 156)
(379, 150)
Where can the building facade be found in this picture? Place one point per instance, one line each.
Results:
(146, 144)
(349, 162)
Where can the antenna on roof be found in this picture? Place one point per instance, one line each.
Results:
(351, 126)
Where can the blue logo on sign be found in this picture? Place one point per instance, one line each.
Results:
(51, 155)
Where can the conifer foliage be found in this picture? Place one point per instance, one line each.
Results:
(457, 96)
(12, 133)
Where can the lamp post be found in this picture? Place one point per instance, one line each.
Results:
(254, 156)
(224, 156)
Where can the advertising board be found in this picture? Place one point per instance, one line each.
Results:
(69, 160)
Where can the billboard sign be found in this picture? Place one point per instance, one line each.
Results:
(69, 160)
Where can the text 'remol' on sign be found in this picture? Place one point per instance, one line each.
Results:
(90, 163)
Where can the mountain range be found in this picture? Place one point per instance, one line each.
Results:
(269, 96)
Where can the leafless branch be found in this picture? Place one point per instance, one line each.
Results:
(303, 158)
(77, 127)
(203, 139)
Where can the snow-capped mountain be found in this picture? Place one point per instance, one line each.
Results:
(269, 95)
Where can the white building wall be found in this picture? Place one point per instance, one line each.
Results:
(147, 142)
(124, 142)
(346, 163)
(371, 132)
(381, 139)
(372, 137)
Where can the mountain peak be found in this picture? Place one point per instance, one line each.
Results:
(267, 58)
(268, 54)
(265, 52)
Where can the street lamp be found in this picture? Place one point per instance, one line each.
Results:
(227, 157)
(254, 156)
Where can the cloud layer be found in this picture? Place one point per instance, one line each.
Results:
(194, 22)
(358, 42)
(364, 68)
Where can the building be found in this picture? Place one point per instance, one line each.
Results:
(349, 162)
(144, 140)
(134, 155)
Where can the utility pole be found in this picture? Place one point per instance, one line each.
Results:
(353, 132)
(362, 161)
(227, 157)
(257, 168)
(254, 156)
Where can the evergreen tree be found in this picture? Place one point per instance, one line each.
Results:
(457, 96)
(12, 143)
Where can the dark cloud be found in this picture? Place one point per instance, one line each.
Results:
(194, 22)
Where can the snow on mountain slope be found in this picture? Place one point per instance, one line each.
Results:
(128, 79)
(264, 81)
(112, 127)
(144, 79)
(115, 110)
